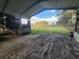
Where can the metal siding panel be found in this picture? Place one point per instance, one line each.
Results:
(33, 10)
(51, 4)
(2, 2)
(61, 4)
(76, 3)
(45, 4)
(15, 7)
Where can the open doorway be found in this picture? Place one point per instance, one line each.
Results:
(54, 21)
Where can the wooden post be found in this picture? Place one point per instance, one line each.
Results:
(4, 28)
(20, 27)
(29, 25)
(77, 19)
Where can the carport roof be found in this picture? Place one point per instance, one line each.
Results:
(28, 8)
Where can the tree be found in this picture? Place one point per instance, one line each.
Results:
(42, 23)
(68, 17)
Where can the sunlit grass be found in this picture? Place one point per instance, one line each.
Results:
(37, 30)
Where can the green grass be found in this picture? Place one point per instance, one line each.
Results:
(37, 30)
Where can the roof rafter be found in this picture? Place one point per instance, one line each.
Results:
(31, 6)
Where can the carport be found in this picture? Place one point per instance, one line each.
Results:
(39, 46)
(27, 8)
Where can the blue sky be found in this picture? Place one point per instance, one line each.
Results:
(47, 14)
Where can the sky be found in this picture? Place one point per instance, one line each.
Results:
(47, 15)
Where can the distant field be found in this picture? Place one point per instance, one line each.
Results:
(36, 30)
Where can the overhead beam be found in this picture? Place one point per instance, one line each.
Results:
(52, 9)
(31, 6)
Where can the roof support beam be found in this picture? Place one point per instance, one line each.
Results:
(31, 6)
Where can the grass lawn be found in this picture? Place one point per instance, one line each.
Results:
(36, 30)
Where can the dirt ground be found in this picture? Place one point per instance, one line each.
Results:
(40, 46)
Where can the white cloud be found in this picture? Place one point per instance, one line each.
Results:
(52, 10)
(50, 20)
(34, 19)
